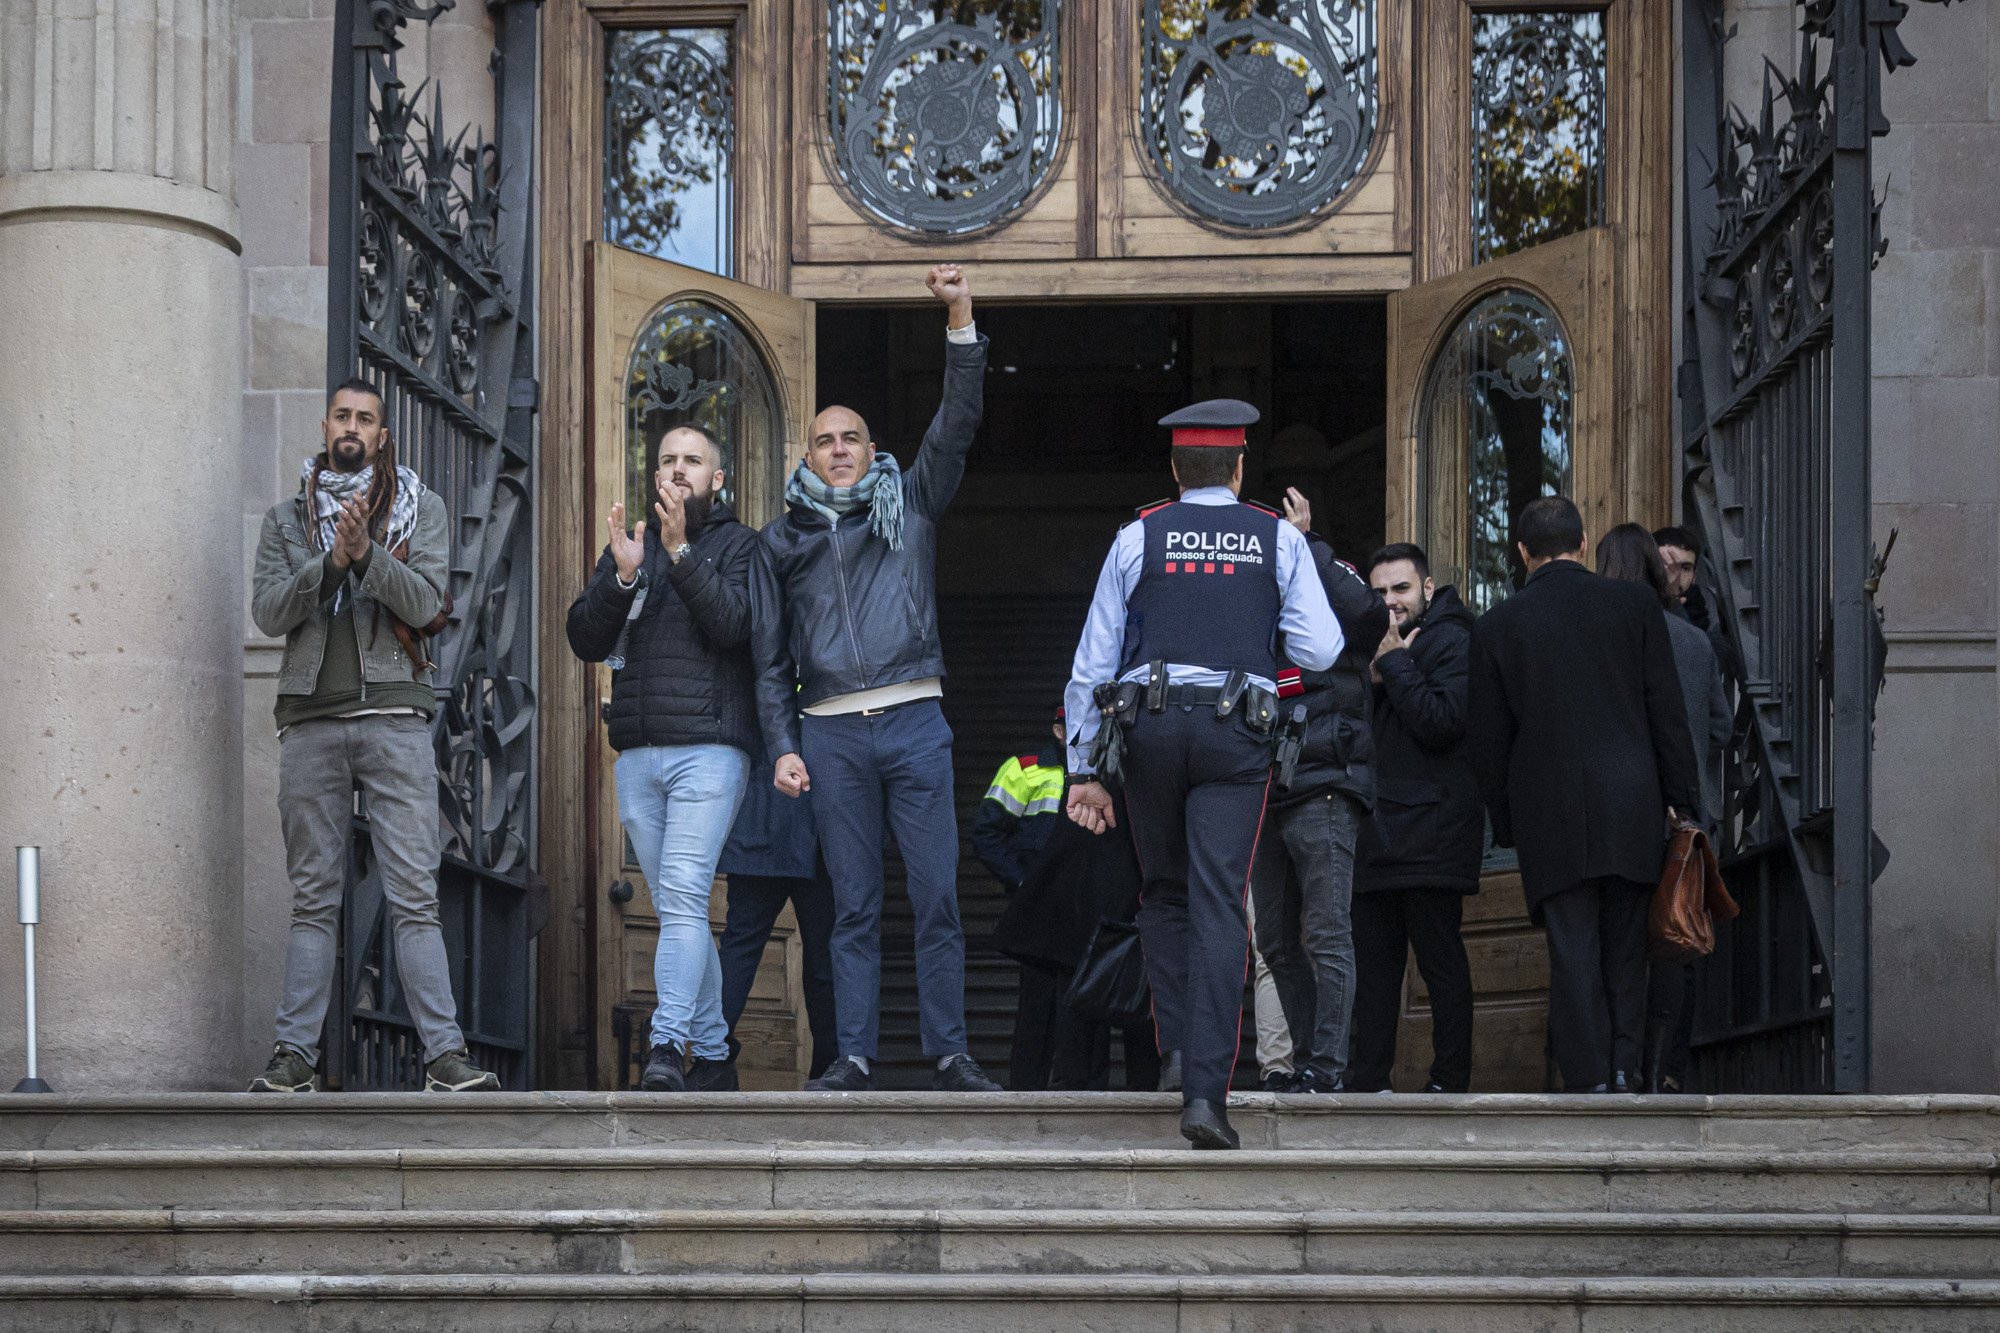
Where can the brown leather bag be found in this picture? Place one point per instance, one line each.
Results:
(1691, 898)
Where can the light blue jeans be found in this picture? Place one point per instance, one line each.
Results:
(677, 803)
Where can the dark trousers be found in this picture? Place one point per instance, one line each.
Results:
(893, 769)
(1597, 978)
(1303, 882)
(754, 904)
(1058, 1049)
(1388, 926)
(1669, 1025)
(1195, 793)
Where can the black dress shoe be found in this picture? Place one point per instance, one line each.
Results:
(961, 1073)
(706, 1075)
(665, 1070)
(1206, 1126)
(1170, 1072)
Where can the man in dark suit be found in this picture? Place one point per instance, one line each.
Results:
(1582, 748)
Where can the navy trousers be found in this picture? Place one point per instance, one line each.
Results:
(892, 769)
(754, 904)
(1194, 792)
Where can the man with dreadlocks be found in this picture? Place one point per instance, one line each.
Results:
(844, 628)
(351, 571)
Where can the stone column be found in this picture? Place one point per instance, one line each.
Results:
(121, 540)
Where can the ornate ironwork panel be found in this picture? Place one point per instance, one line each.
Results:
(1493, 432)
(431, 253)
(1781, 230)
(1537, 128)
(669, 144)
(944, 116)
(1258, 113)
(693, 364)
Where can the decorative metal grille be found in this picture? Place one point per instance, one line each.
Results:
(1781, 231)
(1537, 128)
(692, 364)
(944, 117)
(669, 140)
(1493, 432)
(430, 262)
(1258, 113)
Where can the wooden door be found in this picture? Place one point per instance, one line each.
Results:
(668, 345)
(1501, 386)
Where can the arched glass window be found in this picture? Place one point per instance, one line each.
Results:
(1494, 431)
(1258, 113)
(693, 364)
(945, 116)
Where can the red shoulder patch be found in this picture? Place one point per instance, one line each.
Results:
(1154, 507)
(1028, 760)
(1264, 507)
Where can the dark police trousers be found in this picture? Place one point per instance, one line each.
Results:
(1194, 790)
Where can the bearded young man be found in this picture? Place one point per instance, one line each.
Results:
(669, 608)
(845, 615)
(352, 572)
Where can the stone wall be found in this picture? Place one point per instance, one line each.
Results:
(1937, 482)
(285, 90)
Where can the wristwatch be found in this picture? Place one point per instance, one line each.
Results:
(680, 553)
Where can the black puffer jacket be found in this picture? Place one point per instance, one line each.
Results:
(687, 674)
(1429, 826)
(1339, 754)
(837, 609)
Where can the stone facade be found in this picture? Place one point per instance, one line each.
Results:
(163, 196)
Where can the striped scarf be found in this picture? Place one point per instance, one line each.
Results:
(881, 490)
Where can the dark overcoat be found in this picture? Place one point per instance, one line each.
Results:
(1578, 730)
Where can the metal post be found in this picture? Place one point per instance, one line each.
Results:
(1853, 688)
(28, 877)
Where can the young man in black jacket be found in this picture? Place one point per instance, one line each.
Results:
(846, 632)
(669, 608)
(1302, 881)
(1420, 854)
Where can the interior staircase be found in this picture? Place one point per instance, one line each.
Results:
(583, 1212)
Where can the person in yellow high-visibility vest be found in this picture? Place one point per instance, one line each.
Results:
(1009, 833)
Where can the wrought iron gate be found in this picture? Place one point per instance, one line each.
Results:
(1781, 232)
(429, 297)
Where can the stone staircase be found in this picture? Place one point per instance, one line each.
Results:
(585, 1212)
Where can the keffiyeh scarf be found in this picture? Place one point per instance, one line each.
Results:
(326, 490)
(881, 490)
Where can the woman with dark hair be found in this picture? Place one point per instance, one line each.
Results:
(1628, 552)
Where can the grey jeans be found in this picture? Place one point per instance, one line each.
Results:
(1303, 884)
(320, 764)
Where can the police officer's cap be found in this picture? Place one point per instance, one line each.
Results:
(1217, 423)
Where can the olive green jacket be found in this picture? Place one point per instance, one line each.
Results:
(286, 587)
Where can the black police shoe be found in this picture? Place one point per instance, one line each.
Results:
(843, 1075)
(1205, 1125)
(961, 1073)
(1170, 1072)
(665, 1070)
(706, 1075)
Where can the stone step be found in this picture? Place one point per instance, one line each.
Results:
(1465, 1179)
(1506, 1122)
(976, 1242)
(240, 1303)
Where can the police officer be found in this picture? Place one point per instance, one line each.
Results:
(1183, 631)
